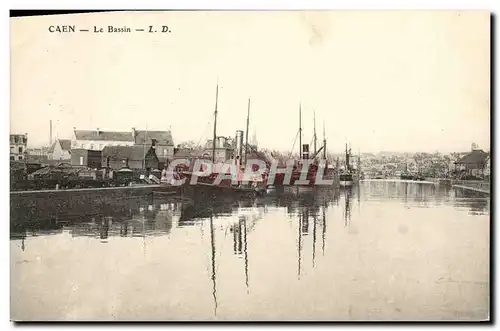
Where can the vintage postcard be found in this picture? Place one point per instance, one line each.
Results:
(250, 166)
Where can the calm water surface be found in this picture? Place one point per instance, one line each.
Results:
(380, 251)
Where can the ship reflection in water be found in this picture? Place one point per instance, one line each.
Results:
(376, 251)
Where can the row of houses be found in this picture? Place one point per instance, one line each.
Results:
(136, 149)
(97, 148)
(475, 163)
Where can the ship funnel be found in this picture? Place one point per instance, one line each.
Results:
(305, 151)
(239, 144)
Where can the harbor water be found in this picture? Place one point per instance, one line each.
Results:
(378, 251)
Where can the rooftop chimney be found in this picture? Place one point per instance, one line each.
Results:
(98, 131)
(133, 134)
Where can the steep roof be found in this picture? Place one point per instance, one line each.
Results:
(133, 153)
(474, 157)
(103, 135)
(65, 145)
(162, 137)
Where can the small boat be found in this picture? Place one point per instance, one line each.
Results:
(419, 178)
(407, 176)
(345, 178)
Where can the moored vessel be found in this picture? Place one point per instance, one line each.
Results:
(217, 176)
(345, 178)
(346, 174)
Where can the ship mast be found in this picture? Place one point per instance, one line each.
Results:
(315, 137)
(300, 131)
(246, 132)
(215, 122)
(346, 158)
(324, 141)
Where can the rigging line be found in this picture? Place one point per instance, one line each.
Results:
(206, 128)
(203, 134)
(294, 142)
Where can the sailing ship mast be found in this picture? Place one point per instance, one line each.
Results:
(315, 137)
(347, 157)
(246, 133)
(215, 123)
(324, 141)
(300, 131)
(144, 148)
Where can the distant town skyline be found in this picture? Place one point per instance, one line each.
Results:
(383, 81)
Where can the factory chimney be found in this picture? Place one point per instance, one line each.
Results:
(50, 134)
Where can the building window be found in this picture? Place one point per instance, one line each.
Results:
(12, 158)
(20, 157)
(81, 160)
(20, 149)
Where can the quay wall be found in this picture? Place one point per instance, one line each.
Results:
(478, 186)
(27, 206)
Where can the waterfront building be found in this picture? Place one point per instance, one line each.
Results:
(42, 151)
(18, 143)
(164, 144)
(37, 155)
(487, 168)
(86, 158)
(97, 140)
(133, 157)
(473, 163)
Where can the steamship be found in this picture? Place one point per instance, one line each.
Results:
(346, 174)
(222, 150)
(305, 160)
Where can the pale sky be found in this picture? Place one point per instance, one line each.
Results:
(392, 81)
